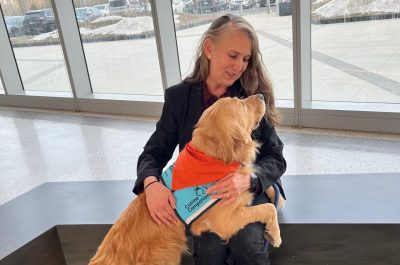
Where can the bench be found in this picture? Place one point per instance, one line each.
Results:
(328, 219)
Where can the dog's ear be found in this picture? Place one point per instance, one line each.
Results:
(244, 148)
(233, 142)
(214, 141)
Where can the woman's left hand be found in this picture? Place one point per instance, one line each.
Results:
(230, 187)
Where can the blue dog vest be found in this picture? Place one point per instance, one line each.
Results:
(191, 202)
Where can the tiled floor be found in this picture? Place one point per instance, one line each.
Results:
(40, 146)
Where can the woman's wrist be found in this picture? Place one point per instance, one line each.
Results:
(149, 184)
(149, 179)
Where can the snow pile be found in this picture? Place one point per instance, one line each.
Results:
(319, 1)
(176, 19)
(44, 36)
(85, 31)
(339, 8)
(106, 19)
(126, 26)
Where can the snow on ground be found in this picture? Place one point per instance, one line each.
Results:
(126, 26)
(106, 19)
(319, 1)
(44, 36)
(339, 8)
(176, 19)
(85, 31)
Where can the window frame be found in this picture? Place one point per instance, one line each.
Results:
(305, 113)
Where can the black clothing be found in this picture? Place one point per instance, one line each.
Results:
(247, 247)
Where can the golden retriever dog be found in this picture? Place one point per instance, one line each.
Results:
(223, 132)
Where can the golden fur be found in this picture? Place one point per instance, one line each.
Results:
(224, 132)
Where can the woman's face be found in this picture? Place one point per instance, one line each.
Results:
(229, 58)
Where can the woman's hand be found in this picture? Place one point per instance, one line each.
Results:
(230, 187)
(160, 201)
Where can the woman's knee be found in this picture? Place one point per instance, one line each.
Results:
(248, 241)
(209, 249)
(248, 246)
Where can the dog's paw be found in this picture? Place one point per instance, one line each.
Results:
(273, 237)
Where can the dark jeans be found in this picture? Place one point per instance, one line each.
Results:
(247, 247)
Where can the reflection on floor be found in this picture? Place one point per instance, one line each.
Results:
(38, 146)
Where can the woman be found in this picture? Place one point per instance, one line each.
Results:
(228, 64)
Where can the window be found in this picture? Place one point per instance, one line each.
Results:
(34, 37)
(274, 30)
(120, 47)
(356, 55)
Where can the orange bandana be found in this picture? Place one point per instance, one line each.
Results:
(194, 168)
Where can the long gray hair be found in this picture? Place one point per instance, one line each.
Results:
(255, 79)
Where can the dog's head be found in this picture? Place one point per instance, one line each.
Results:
(224, 129)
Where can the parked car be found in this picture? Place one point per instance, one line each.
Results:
(15, 26)
(234, 4)
(208, 6)
(264, 2)
(118, 7)
(39, 21)
(138, 8)
(103, 9)
(202, 6)
(248, 3)
(223, 4)
(190, 7)
(84, 14)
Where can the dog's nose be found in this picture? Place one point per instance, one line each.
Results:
(260, 96)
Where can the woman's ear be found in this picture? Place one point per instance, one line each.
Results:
(207, 47)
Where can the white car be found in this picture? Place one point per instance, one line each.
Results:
(103, 9)
(118, 7)
(84, 14)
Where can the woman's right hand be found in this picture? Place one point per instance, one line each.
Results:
(160, 202)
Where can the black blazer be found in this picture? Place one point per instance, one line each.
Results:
(182, 109)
